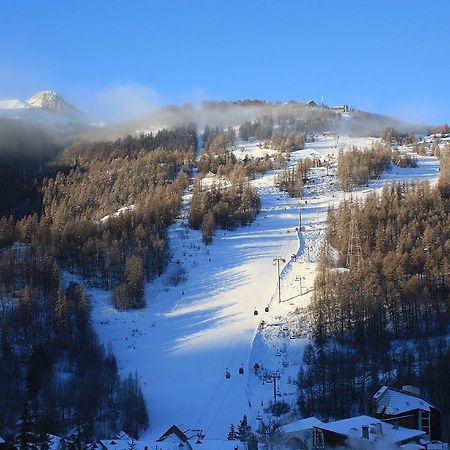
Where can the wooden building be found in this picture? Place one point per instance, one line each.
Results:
(405, 407)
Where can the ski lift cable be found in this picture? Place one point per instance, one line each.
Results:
(228, 391)
(220, 406)
(203, 414)
(216, 390)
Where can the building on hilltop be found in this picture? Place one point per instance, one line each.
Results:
(341, 108)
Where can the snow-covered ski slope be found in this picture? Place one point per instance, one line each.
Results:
(188, 335)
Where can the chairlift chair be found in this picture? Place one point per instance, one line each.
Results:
(266, 309)
(227, 374)
(241, 370)
(255, 312)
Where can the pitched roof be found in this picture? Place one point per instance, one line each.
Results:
(173, 430)
(352, 428)
(393, 401)
(300, 425)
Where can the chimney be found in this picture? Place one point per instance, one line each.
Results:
(365, 431)
(379, 428)
(411, 389)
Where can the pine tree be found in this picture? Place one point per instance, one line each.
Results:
(26, 440)
(244, 430)
(232, 435)
(132, 445)
(208, 225)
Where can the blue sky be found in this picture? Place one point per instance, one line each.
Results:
(388, 56)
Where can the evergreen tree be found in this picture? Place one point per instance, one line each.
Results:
(208, 225)
(244, 430)
(26, 440)
(232, 435)
(132, 445)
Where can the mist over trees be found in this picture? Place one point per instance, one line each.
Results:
(25, 150)
(258, 114)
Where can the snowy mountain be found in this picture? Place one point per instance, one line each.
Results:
(53, 102)
(46, 108)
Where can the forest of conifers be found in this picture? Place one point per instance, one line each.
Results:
(56, 377)
(380, 311)
(101, 211)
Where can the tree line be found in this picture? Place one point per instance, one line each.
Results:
(357, 166)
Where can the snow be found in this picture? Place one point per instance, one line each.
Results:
(207, 444)
(303, 424)
(251, 149)
(182, 342)
(412, 446)
(394, 402)
(119, 212)
(212, 179)
(352, 428)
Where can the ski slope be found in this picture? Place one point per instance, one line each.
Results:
(186, 337)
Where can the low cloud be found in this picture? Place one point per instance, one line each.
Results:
(123, 102)
(422, 112)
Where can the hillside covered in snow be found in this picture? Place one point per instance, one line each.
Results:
(187, 261)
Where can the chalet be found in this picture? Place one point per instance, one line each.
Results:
(302, 434)
(408, 409)
(175, 436)
(365, 432)
(340, 108)
(311, 104)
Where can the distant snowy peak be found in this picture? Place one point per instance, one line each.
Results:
(46, 108)
(53, 102)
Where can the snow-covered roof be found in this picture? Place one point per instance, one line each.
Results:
(124, 444)
(352, 428)
(216, 444)
(412, 446)
(303, 424)
(2, 441)
(392, 401)
(207, 444)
